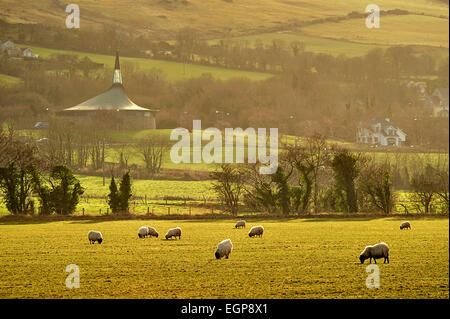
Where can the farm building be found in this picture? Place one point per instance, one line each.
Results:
(380, 132)
(114, 104)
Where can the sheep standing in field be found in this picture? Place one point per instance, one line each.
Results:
(405, 225)
(377, 251)
(256, 231)
(145, 231)
(224, 249)
(152, 232)
(95, 236)
(240, 224)
(174, 232)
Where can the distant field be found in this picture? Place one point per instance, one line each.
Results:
(173, 71)
(162, 19)
(394, 30)
(6, 80)
(295, 259)
(151, 188)
(312, 44)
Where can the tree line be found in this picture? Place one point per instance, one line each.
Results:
(23, 174)
(318, 177)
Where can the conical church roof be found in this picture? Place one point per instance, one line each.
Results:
(114, 98)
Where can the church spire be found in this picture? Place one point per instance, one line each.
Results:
(117, 74)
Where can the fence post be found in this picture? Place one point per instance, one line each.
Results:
(83, 211)
(168, 210)
(100, 211)
(189, 210)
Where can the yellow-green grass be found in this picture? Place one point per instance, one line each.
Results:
(159, 19)
(173, 71)
(9, 81)
(152, 188)
(299, 259)
(394, 30)
(312, 43)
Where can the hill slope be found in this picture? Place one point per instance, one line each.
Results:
(213, 18)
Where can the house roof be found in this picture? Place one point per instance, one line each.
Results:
(115, 98)
(385, 123)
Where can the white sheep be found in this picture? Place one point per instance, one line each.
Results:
(377, 251)
(240, 224)
(174, 232)
(256, 231)
(152, 232)
(224, 249)
(405, 225)
(145, 231)
(95, 236)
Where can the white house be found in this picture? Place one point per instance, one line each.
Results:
(380, 132)
(28, 53)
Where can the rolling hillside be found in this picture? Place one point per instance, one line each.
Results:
(213, 18)
(173, 71)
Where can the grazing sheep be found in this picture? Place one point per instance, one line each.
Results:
(95, 236)
(224, 249)
(256, 231)
(143, 232)
(240, 224)
(152, 232)
(405, 225)
(174, 232)
(377, 251)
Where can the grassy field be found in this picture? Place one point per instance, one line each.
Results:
(173, 71)
(295, 259)
(312, 43)
(151, 188)
(394, 30)
(6, 80)
(164, 18)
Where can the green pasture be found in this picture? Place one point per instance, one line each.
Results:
(295, 259)
(173, 71)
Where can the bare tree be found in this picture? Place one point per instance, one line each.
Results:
(425, 189)
(375, 182)
(152, 149)
(310, 159)
(442, 180)
(229, 186)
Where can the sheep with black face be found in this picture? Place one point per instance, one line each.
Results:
(405, 225)
(95, 236)
(224, 249)
(240, 224)
(377, 251)
(256, 231)
(174, 232)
